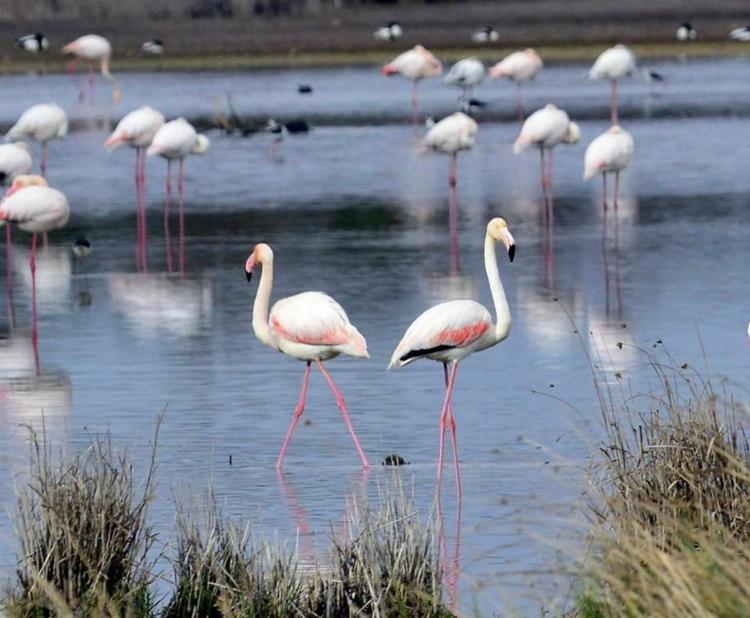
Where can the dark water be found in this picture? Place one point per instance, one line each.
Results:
(355, 210)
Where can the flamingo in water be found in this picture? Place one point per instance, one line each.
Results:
(92, 48)
(613, 64)
(611, 151)
(310, 326)
(451, 331)
(518, 67)
(137, 129)
(415, 64)
(15, 159)
(42, 123)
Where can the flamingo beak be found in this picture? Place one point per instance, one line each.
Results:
(249, 265)
(512, 252)
(510, 244)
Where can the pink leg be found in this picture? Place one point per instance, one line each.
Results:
(543, 168)
(414, 107)
(444, 415)
(453, 216)
(617, 189)
(295, 418)
(605, 261)
(91, 84)
(454, 439)
(604, 192)
(9, 254)
(181, 200)
(34, 323)
(519, 102)
(613, 103)
(550, 208)
(142, 193)
(342, 406)
(167, 235)
(43, 160)
(137, 178)
(71, 69)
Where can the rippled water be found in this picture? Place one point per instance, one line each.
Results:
(354, 209)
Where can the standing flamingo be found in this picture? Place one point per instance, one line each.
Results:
(138, 129)
(451, 331)
(15, 159)
(176, 140)
(415, 64)
(465, 74)
(92, 48)
(518, 67)
(613, 64)
(611, 151)
(42, 123)
(310, 326)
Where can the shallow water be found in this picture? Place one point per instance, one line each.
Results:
(354, 209)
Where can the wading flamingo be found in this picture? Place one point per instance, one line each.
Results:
(415, 64)
(518, 67)
(92, 49)
(611, 151)
(15, 159)
(310, 326)
(176, 140)
(42, 123)
(451, 331)
(137, 129)
(466, 74)
(613, 64)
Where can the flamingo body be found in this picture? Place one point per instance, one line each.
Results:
(611, 151)
(546, 128)
(520, 66)
(41, 122)
(415, 64)
(453, 133)
(137, 128)
(466, 73)
(91, 47)
(613, 64)
(15, 159)
(36, 209)
(176, 140)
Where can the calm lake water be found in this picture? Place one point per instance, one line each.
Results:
(354, 209)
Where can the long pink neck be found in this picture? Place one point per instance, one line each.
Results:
(260, 307)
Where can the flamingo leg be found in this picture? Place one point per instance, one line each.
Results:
(617, 189)
(605, 261)
(9, 273)
(444, 416)
(604, 193)
(454, 437)
(71, 69)
(453, 215)
(91, 84)
(344, 413)
(144, 227)
(181, 201)
(550, 204)
(414, 106)
(543, 168)
(295, 418)
(34, 322)
(519, 102)
(167, 199)
(43, 160)
(613, 103)
(618, 287)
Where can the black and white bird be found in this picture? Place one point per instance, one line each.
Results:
(652, 76)
(740, 34)
(279, 129)
(33, 43)
(392, 31)
(81, 247)
(686, 32)
(304, 89)
(154, 47)
(485, 35)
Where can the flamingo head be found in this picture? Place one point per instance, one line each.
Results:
(497, 229)
(262, 254)
(572, 133)
(25, 180)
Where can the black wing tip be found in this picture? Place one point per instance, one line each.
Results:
(425, 352)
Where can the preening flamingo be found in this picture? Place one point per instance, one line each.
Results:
(611, 151)
(613, 64)
(451, 331)
(415, 64)
(310, 326)
(518, 67)
(466, 74)
(174, 141)
(42, 123)
(92, 49)
(137, 129)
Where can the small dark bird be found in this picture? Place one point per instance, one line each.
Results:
(297, 125)
(740, 34)
(485, 35)
(392, 31)
(686, 32)
(154, 47)
(81, 247)
(33, 43)
(653, 76)
(304, 89)
(394, 460)
(471, 104)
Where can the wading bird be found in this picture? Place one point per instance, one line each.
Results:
(42, 123)
(310, 327)
(451, 331)
(392, 31)
(686, 32)
(518, 67)
(154, 47)
(740, 34)
(33, 43)
(415, 65)
(613, 64)
(611, 151)
(485, 35)
(92, 49)
(466, 74)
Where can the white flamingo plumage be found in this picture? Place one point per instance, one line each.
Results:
(92, 49)
(310, 326)
(612, 151)
(451, 331)
(466, 74)
(415, 65)
(518, 67)
(15, 159)
(42, 123)
(613, 64)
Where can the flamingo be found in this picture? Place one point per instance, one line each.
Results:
(465, 74)
(15, 159)
(611, 151)
(42, 123)
(176, 140)
(613, 64)
(545, 129)
(415, 64)
(518, 67)
(686, 32)
(137, 129)
(92, 48)
(310, 326)
(33, 43)
(451, 331)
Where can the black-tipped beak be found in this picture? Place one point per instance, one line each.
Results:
(248, 274)
(512, 252)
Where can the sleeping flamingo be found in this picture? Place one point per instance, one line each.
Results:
(415, 64)
(42, 123)
(518, 67)
(613, 64)
(451, 331)
(310, 326)
(92, 48)
(611, 151)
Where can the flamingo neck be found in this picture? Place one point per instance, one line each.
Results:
(502, 310)
(116, 93)
(260, 307)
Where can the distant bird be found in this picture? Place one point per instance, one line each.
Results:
(451, 331)
(33, 43)
(42, 123)
(15, 159)
(652, 76)
(415, 65)
(81, 247)
(611, 151)
(296, 125)
(466, 74)
(518, 67)
(137, 129)
(92, 48)
(154, 47)
(392, 31)
(485, 35)
(310, 326)
(686, 32)
(304, 89)
(613, 64)
(740, 34)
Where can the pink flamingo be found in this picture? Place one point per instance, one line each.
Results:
(612, 151)
(415, 65)
(92, 48)
(310, 326)
(613, 64)
(137, 129)
(518, 67)
(451, 331)
(42, 123)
